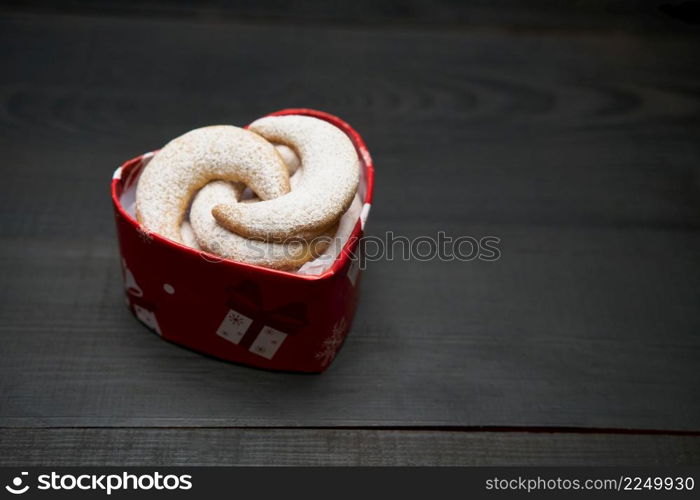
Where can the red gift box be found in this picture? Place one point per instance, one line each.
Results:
(239, 312)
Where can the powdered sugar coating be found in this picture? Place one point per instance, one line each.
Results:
(187, 163)
(330, 178)
(290, 158)
(213, 238)
(217, 240)
(293, 163)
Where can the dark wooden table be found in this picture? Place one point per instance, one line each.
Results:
(575, 141)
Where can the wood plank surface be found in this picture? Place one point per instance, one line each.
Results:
(635, 15)
(578, 149)
(191, 447)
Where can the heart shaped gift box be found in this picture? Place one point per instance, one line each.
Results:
(239, 312)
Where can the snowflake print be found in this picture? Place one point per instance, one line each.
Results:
(236, 319)
(234, 326)
(145, 235)
(331, 344)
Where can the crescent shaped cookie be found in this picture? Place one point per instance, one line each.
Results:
(184, 165)
(293, 167)
(330, 178)
(213, 238)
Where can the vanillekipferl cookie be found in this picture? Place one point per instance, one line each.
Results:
(227, 190)
(214, 238)
(330, 175)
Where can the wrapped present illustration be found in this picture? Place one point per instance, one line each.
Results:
(251, 326)
(132, 288)
(147, 317)
(143, 310)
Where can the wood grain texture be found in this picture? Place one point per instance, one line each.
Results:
(154, 447)
(578, 150)
(637, 15)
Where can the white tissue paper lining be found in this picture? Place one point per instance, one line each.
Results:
(316, 266)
